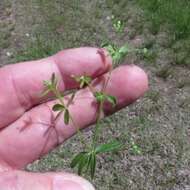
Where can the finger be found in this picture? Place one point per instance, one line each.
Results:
(20, 180)
(19, 147)
(22, 84)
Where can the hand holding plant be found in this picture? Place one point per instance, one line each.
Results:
(48, 122)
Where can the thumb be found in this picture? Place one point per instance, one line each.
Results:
(20, 180)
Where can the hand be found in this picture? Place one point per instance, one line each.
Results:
(27, 130)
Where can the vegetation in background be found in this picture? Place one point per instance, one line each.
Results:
(174, 14)
(39, 48)
(172, 17)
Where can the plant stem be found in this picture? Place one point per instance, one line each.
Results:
(81, 136)
(100, 111)
(58, 95)
(98, 126)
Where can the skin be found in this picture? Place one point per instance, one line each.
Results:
(27, 125)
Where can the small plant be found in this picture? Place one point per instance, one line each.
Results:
(85, 161)
(117, 53)
(135, 148)
(118, 25)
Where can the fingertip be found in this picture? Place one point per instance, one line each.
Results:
(127, 84)
(138, 79)
(70, 182)
(89, 60)
(105, 57)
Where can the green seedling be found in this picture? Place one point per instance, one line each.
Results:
(118, 53)
(86, 160)
(62, 109)
(145, 51)
(118, 25)
(142, 51)
(83, 80)
(135, 148)
(102, 97)
(50, 86)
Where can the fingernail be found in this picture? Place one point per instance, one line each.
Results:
(71, 182)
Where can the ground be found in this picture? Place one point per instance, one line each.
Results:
(159, 123)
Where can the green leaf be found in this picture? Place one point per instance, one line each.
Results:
(83, 80)
(76, 159)
(109, 147)
(45, 92)
(88, 162)
(47, 83)
(111, 99)
(136, 149)
(111, 48)
(82, 84)
(52, 84)
(87, 80)
(124, 49)
(53, 78)
(100, 96)
(58, 107)
(82, 163)
(121, 53)
(93, 165)
(145, 51)
(117, 57)
(66, 117)
(117, 54)
(118, 25)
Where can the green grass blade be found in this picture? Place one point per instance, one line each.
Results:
(112, 100)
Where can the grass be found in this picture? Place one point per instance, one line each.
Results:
(153, 95)
(174, 13)
(183, 83)
(39, 48)
(181, 50)
(172, 17)
(164, 72)
(5, 25)
(4, 39)
(185, 103)
(158, 16)
(61, 28)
